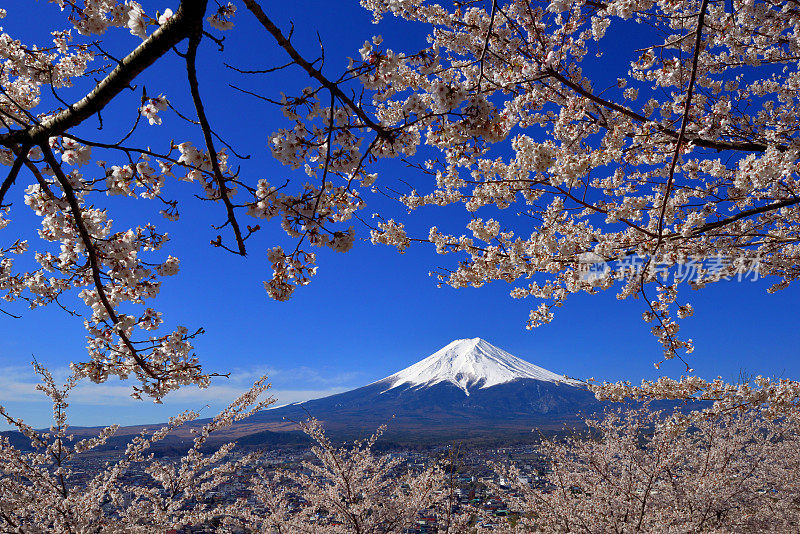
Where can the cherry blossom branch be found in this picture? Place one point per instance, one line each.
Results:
(284, 43)
(698, 141)
(312, 218)
(178, 27)
(91, 254)
(486, 44)
(744, 214)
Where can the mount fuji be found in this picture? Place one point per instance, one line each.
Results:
(467, 389)
(471, 363)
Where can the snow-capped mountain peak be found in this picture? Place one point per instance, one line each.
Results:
(468, 363)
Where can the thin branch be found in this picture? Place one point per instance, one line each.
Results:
(251, 93)
(215, 134)
(21, 158)
(684, 122)
(191, 69)
(259, 71)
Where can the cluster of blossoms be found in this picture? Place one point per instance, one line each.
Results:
(642, 471)
(668, 163)
(773, 398)
(289, 271)
(151, 108)
(95, 17)
(222, 18)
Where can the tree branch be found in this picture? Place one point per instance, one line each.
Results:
(191, 70)
(91, 254)
(744, 214)
(684, 121)
(698, 141)
(178, 27)
(284, 43)
(486, 44)
(21, 158)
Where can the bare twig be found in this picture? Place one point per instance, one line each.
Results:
(191, 69)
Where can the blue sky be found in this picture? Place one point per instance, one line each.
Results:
(367, 313)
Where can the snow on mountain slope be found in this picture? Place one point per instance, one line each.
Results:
(467, 363)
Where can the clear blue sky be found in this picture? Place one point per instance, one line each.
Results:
(367, 313)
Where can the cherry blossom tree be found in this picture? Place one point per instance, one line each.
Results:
(674, 161)
(639, 471)
(346, 490)
(43, 491)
